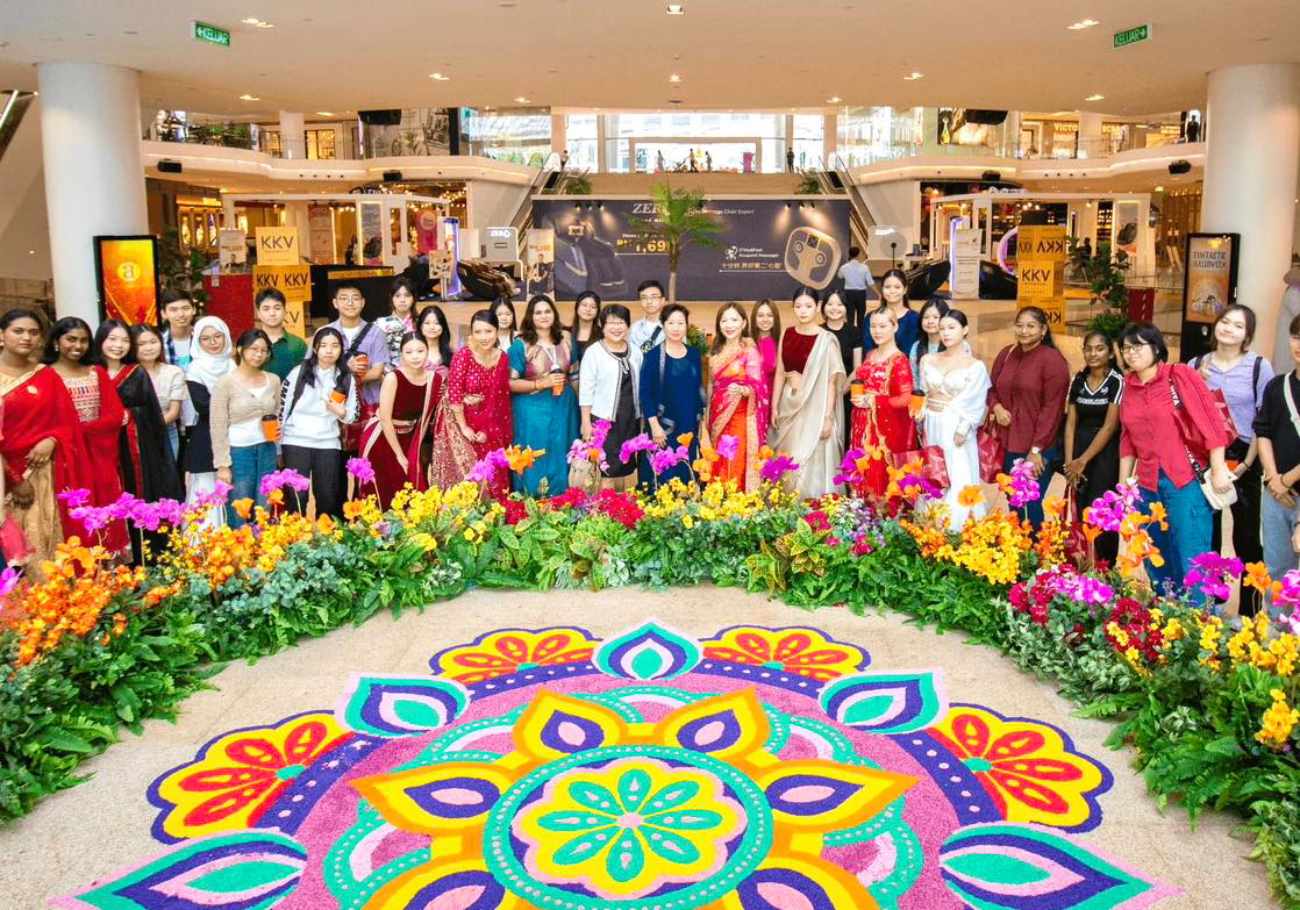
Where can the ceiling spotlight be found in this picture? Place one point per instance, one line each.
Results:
(913, 76)
(676, 9)
(439, 77)
(834, 99)
(324, 113)
(675, 78)
(248, 97)
(1095, 98)
(256, 22)
(1160, 189)
(1082, 24)
(522, 100)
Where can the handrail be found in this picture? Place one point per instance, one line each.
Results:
(13, 106)
(523, 215)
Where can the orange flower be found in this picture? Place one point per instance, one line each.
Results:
(685, 439)
(1257, 576)
(1091, 533)
(708, 454)
(521, 459)
(1158, 514)
(970, 496)
(275, 498)
(702, 468)
(243, 508)
(1053, 506)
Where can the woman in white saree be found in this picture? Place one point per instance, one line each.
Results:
(957, 387)
(807, 419)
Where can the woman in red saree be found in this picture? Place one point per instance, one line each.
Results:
(880, 391)
(101, 415)
(737, 397)
(39, 439)
(475, 417)
(391, 439)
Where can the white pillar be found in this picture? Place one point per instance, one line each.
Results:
(1090, 145)
(559, 133)
(1251, 166)
(94, 175)
(293, 135)
(830, 139)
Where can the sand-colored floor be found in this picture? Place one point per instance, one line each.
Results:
(85, 833)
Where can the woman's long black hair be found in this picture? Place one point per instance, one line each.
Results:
(444, 340)
(61, 328)
(307, 370)
(96, 353)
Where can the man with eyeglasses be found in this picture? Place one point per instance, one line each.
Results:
(648, 331)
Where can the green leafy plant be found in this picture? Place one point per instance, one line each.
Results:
(575, 185)
(809, 185)
(1105, 277)
(181, 269)
(680, 220)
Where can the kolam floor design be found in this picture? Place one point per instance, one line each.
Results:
(627, 750)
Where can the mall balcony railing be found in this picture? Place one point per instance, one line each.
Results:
(1061, 150)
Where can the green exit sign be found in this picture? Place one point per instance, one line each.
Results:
(211, 34)
(1132, 35)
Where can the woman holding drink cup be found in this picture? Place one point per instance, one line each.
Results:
(545, 410)
(880, 392)
(318, 397)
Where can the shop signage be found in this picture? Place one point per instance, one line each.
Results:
(1132, 35)
(293, 281)
(966, 263)
(295, 318)
(371, 217)
(210, 34)
(539, 257)
(126, 270)
(1209, 276)
(277, 246)
(320, 234)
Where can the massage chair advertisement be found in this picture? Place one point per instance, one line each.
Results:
(767, 246)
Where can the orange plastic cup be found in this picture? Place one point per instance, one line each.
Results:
(856, 389)
(271, 427)
(338, 397)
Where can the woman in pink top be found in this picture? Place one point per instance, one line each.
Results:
(1170, 432)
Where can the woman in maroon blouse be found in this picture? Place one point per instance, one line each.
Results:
(1170, 450)
(1031, 381)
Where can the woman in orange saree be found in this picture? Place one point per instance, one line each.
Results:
(737, 396)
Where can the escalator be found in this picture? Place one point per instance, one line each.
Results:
(13, 107)
(835, 179)
(549, 175)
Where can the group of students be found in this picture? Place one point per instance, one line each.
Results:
(171, 413)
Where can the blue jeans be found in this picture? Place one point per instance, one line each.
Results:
(1277, 524)
(1051, 460)
(1191, 521)
(248, 465)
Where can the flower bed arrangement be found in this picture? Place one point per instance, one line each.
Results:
(91, 648)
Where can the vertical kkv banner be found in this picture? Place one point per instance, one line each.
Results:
(1040, 270)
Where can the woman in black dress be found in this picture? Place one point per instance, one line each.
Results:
(835, 317)
(1092, 431)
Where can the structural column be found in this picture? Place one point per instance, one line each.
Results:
(94, 175)
(1251, 166)
(293, 135)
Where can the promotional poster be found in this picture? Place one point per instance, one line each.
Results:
(1211, 285)
(126, 269)
(767, 247)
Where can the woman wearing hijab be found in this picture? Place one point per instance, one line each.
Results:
(211, 361)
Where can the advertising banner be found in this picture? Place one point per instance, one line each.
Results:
(320, 234)
(278, 246)
(426, 231)
(1210, 285)
(767, 246)
(293, 281)
(965, 280)
(371, 216)
(1040, 270)
(233, 246)
(539, 259)
(126, 270)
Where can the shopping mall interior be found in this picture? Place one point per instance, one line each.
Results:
(1106, 161)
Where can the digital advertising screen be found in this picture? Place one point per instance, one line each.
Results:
(126, 272)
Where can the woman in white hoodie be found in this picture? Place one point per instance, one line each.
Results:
(316, 400)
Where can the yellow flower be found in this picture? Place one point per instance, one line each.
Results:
(685, 439)
(970, 496)
(425, 541)
(688, 521)
(243, 508)
(1159, 515)
(1257, 577)
(1278, 721)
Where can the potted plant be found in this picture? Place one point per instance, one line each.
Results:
(680, 220)
(1105, 279)
(180, 269)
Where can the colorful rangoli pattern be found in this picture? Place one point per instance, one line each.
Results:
(759, 769)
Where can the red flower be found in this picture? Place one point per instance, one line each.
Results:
(516, 511)
(817, 520)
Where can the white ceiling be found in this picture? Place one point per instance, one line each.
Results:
(759, 54)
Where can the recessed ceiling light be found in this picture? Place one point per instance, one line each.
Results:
(1095, 98)
(248, 97)
(675, 78)
(1082, 24)
(834, 99)
(31, 252)
(1160, 189)
(439, 77)
(913, 76)
(324, 113)
(676, 9)
(256, 22)
(521, 100)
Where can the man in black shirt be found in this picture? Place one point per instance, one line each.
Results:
(1277, 427)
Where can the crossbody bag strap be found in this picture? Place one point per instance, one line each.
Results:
(1197, 469)
(1289, 398)
(355, 346)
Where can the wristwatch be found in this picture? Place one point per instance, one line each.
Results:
(1035, 451)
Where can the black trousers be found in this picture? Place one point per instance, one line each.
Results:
(1246, 542)
(856, 303)
(325, 468)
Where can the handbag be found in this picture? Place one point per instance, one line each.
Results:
(582, 474)
(1217, 501)
(1077, 548)
(992, 449)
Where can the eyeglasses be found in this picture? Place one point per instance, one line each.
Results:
(1133, 348)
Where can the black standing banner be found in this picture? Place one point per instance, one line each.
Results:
(767, 246)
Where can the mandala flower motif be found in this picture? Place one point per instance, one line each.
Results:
(801, 651)
(237, 777)
(511, 651)
(593, 810)
(1029, 769)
